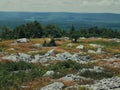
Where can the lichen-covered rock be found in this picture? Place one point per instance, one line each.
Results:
(95, 69)
(96, 45)
(80, 47)
(37, 45)
(107, 84)
(18, 57)
(54, 86)
(49, 53)
(70, 45)
(22, 40)
(49, 73)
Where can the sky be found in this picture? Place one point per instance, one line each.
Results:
(89, 6)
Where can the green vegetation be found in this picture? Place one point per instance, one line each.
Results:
(67, 67)
(96, 75)
(15, 74)
(51, 43)
(36, 30)
(83, 88)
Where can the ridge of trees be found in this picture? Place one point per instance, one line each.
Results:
(36, 30)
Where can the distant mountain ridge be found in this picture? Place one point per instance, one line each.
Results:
(61, 19)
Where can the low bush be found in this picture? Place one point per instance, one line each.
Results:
(96, 75)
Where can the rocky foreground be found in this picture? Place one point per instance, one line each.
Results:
(104, 84)
(84, 73)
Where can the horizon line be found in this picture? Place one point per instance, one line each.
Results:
(57, 12)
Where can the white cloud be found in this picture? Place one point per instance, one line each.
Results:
(61, 5)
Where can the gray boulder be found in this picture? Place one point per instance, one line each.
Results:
(71, 77)
(96, 45)
(49, 73)
(80, 47)
(117, 55)
(22, 40)
(64, 56)
(49, 53)
(10, 57)
(18, 57)
(95, 69)
(99, 51)
(37, 45)
(91, 51)
(70, 45)
(107, 84)
(54, 86)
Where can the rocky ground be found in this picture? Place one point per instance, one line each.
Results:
(103, 53)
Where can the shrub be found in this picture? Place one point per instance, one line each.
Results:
(51, 43)
(13, 74)
(96, 75)
(67, 67)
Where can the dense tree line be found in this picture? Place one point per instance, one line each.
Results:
(36, 30)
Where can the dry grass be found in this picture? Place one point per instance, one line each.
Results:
(38, 83)
(62, 46)
(68, 83)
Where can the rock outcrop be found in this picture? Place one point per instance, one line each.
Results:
(80, 47)
(49, 73)
(22, 40)
(107, 84)
(54, 86)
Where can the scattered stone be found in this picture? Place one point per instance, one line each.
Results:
(25, 87)
(11, 49)
(80, 47)
(64, 56)
(10, 57)
(22, 40)
(82, 38)
(43, 58)
(75, 57)
(18, 57)
(70, 45)
(66, 38)
(107, 84)
(99, 51)
(13, 44)
(49, 73)
(96, 45)
(49, 56)
(91, 51)
(49, 53)
(54, 86)
(117, 56)
(37, 45)
(95, 69)
(99, 38)
(115, 40)
(74, 78)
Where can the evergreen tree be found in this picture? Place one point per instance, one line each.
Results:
(74, 35)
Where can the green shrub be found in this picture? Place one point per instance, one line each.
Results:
(96, 75)
(67, 67)
(13, 74)
(49, 44)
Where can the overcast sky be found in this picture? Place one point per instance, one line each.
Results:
(110, 6)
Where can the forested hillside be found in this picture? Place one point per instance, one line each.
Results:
(61, 19)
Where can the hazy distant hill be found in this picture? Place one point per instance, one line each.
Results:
(63, 20)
